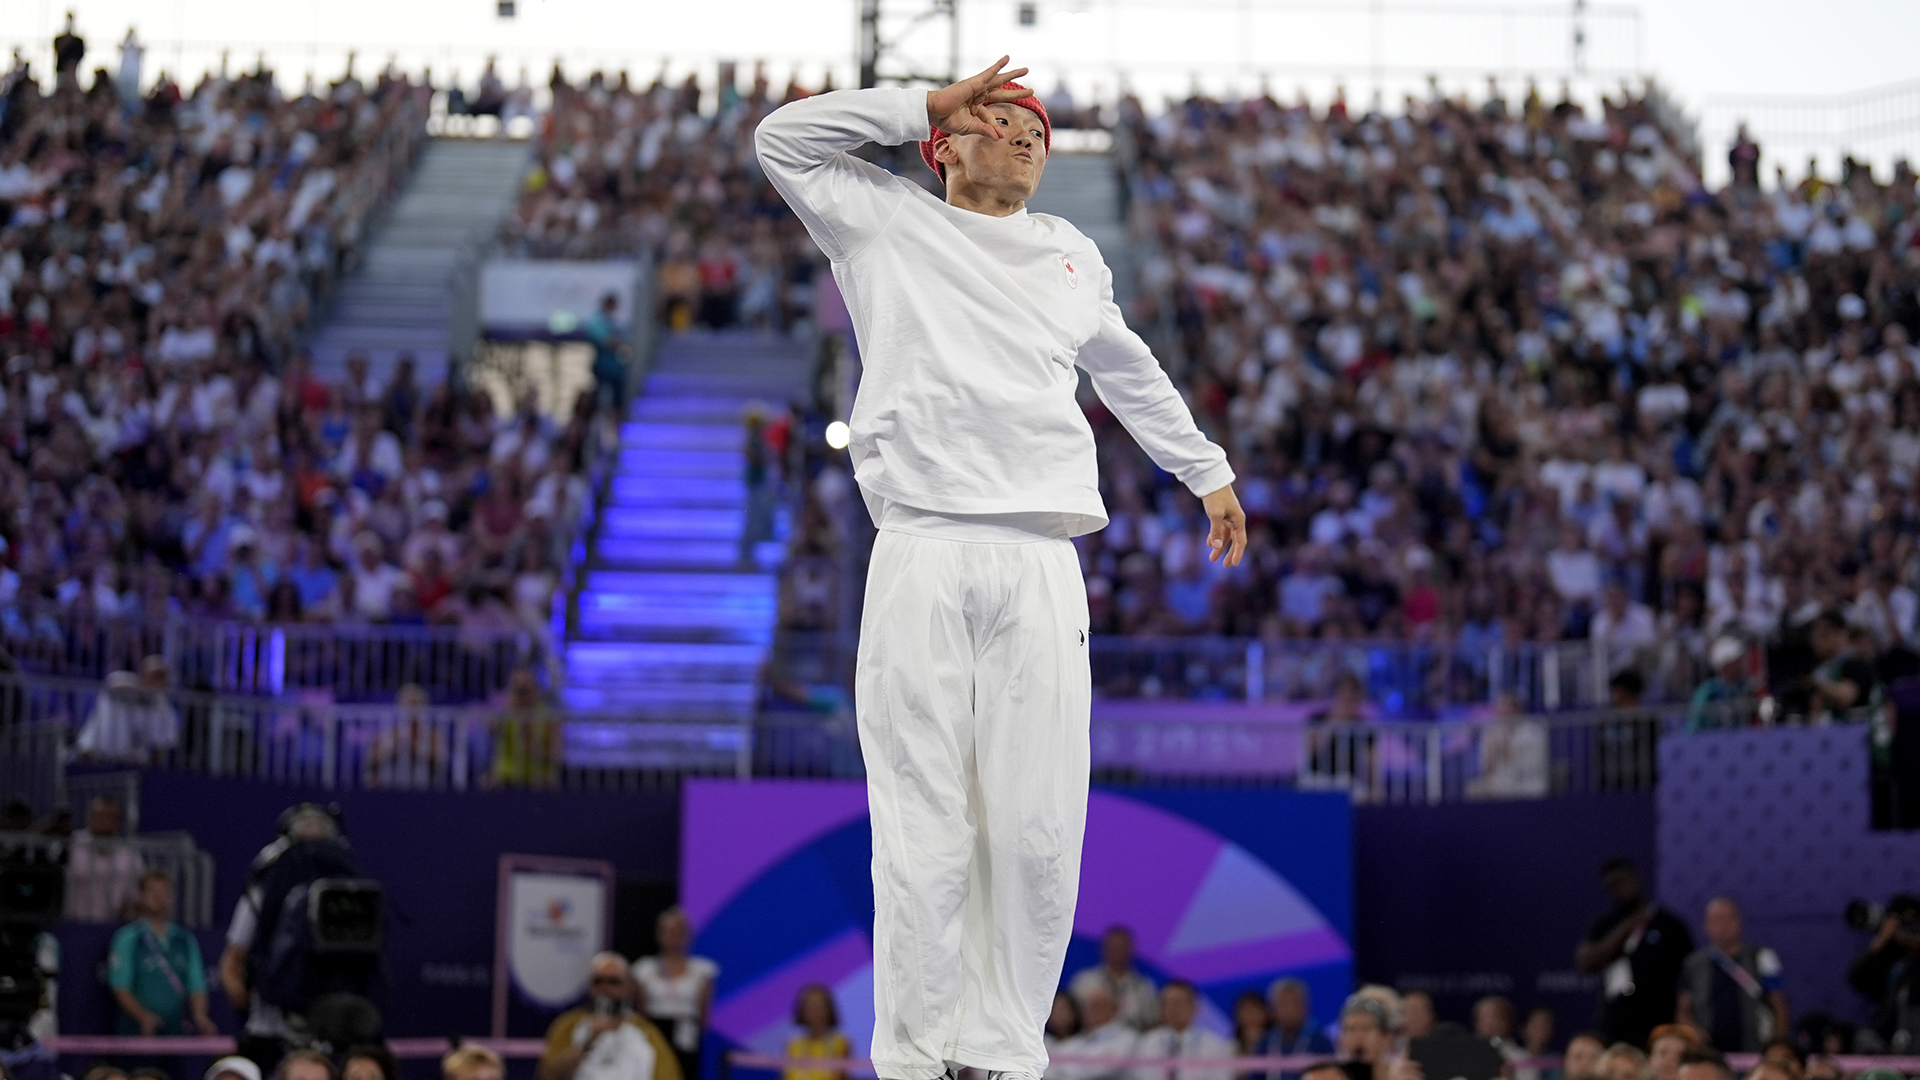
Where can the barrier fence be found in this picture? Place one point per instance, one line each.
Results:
(46, 723)
(1400, 677)
(350, 662)
(101, 875)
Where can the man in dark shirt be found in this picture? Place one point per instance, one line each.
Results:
(1638, 949)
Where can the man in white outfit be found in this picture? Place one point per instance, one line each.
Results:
(977, 465)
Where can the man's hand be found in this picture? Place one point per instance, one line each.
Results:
(149, 1023)
(961, 109)
(206, 1025)
(1228, 534)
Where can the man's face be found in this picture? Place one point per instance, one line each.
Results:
(1289, 1008)
(1100, 1008)
(156, 898)
(1013, 162)
(1177, 1007)
(1490, 1020)
(1117, 949)
(1623, 886)
(1722, 924)
(609, 981)
(1700, 1070)
(306, 1070)
(104, 819)
(1416, 1014)
(1583, 1055)
(1361, 1038)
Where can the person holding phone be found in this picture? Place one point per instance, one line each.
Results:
(605, 1039)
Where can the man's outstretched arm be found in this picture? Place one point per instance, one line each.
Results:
(803, 148)
(1131, 382)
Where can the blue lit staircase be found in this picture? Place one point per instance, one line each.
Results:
(672, 629)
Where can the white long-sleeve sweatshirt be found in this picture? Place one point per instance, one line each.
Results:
(969, 328)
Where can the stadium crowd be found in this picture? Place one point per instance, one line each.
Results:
(169, 447)
(1507, 372)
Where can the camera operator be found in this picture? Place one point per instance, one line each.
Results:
(1889, 973)
(291, 995)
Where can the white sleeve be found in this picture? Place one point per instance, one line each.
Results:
(843, 201)
(1131, 382)
(245, 917)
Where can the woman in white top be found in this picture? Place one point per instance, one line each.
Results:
(676, 989)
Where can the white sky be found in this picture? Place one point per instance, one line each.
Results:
(1698, 48)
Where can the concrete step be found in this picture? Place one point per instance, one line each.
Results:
(683, 436)
(684, 464)
(648, 492)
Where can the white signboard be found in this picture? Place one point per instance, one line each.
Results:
(553, 296)
(556, 922)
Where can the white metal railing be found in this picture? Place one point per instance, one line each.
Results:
(102, 875)
(351, 662)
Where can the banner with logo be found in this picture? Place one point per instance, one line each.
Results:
(554, 914)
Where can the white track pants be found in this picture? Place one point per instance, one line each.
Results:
(973, 696)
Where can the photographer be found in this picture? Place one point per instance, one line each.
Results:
(605, 1039)
(1889, 973)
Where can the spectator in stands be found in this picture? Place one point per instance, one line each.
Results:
(132, 722)
(1251, 1023)
(1293, 1034)
(1843, 680)
(1132, 991)
(1063, 1022)
(1624, 1062)
(234, 1067)
(1730, 990)
(526, 737)
(1369, 1029)
(471, 1062)
(610, 350)
(606, 1039)
(1637, 948)
(676, 988)
(1514, 756)
(1784, 1052)
(1717, 700)
(1107, 1035)
(103, 870)
(1667, 1044)
(1582, 1057)
(1704, 1064)
(369, 1062)
(154, 968)
(1887, 973)
(1493, 1021)
(314, 1065)
(817, 1016)
(1178, 1036)
(1536, 1034)
(1417, 1017)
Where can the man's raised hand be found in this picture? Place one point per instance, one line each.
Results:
(961, 109)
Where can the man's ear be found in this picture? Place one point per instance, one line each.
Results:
(943, 151)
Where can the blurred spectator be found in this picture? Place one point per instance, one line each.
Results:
(1416, 1014)
(369, 1062)
(154, 968)
(1178, 1036)
(233, 1067)
(1369, 1028)
(132, 721)
(1493, 1021)
(1514, 758)
(1063, 1022)
(1668, 1043)
(1624, 1062)
(314, 1065)
(676, 988)
(1716, 700)
(1703, 1064)
(817, 1016)
(1887, 973)
(1844, 679)
(1251, 1022)
(610, 349)
(1290, 1006)
(1536, 1034)
(1582, 1057)
(469, 1062)
(526, 737)
(1637, 949)
(1730, 990)
(1133, 993)
(605, 1039)
(103, 870)
(1106, 1035)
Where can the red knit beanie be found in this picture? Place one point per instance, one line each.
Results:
(1028, 102)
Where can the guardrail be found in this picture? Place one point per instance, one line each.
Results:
(1399, 678)
(102, 875)
(350, 662)
(324, 745)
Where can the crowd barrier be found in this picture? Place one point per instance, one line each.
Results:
(227, 656)
(221, 1045)
(1400, 677)
(101, 879)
